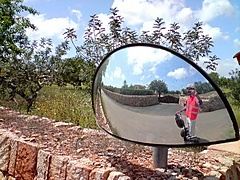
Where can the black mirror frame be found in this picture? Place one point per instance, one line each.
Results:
(199, 69)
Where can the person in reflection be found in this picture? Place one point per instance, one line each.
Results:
(192, 108)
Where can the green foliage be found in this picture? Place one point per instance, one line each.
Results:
(159, 86)
(202, 88)
(112, 89)
(234, 105)
(196, 44)
(235, 86)
(232, 84)
(66, 104)
(13, 27)
(26, 74)
(214, 76)
(74, 71)
(236, 111)
(132, 91)
(211, 64)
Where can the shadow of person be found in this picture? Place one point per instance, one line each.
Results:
(197, 140)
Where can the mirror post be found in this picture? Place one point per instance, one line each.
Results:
(160, 156)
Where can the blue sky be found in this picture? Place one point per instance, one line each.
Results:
(221, 20)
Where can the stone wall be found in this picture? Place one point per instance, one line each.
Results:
(131, 100)
(168, 99)
(210, 103)
(22, 160)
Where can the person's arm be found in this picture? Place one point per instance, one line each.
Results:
(183, 109)
(198, 98)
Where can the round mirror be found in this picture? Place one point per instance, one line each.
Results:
(141, 94)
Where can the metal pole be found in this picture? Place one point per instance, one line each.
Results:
(160, 156)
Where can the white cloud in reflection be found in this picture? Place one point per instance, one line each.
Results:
(179, 73)
(118, 73)
(142, 56)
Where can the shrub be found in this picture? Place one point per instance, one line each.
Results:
(130, 91)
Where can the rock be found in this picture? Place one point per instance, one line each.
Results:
(26, 160)
(62, 124)
(116, 176)
(76, 169)
(43, 164)
(58, 167)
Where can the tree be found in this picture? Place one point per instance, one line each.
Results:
(74, 71)
(125, 85)
(159, 86)
(28, 73)
(212, 65)
(97, 42)
(235, 85)
(215, 77)
(174, 38)
(13, 27)
(203, 87)
(195, 43)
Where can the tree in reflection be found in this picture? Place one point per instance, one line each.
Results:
(159, 86)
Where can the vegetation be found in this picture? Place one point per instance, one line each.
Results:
(12, 27)
(65, 104)
(26, 74)
(159, 86)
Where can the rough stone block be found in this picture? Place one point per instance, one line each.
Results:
(115, 175)
(4, 152)
(58, 167)
(77, 170)
(26, 161)
(43, 164)
(100, 174)
(13, 156)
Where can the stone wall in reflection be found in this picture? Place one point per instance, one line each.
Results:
(210, 102)
(133, 100)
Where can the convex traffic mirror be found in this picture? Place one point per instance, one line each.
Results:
(139, 88)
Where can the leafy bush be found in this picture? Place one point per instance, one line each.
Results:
(130, 91)
(112, 89)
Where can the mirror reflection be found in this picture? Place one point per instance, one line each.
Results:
(139, 90)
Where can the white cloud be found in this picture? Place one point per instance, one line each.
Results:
(49, 28)
(236, 42)
(77, 13)
(179, 73)
(214, 32)
(105, 20)
(225, 66)
(185, 17)
(118, 73)
(214, 8)
(25, 1)
(237, 29)
(145, 12)
(140, 56)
